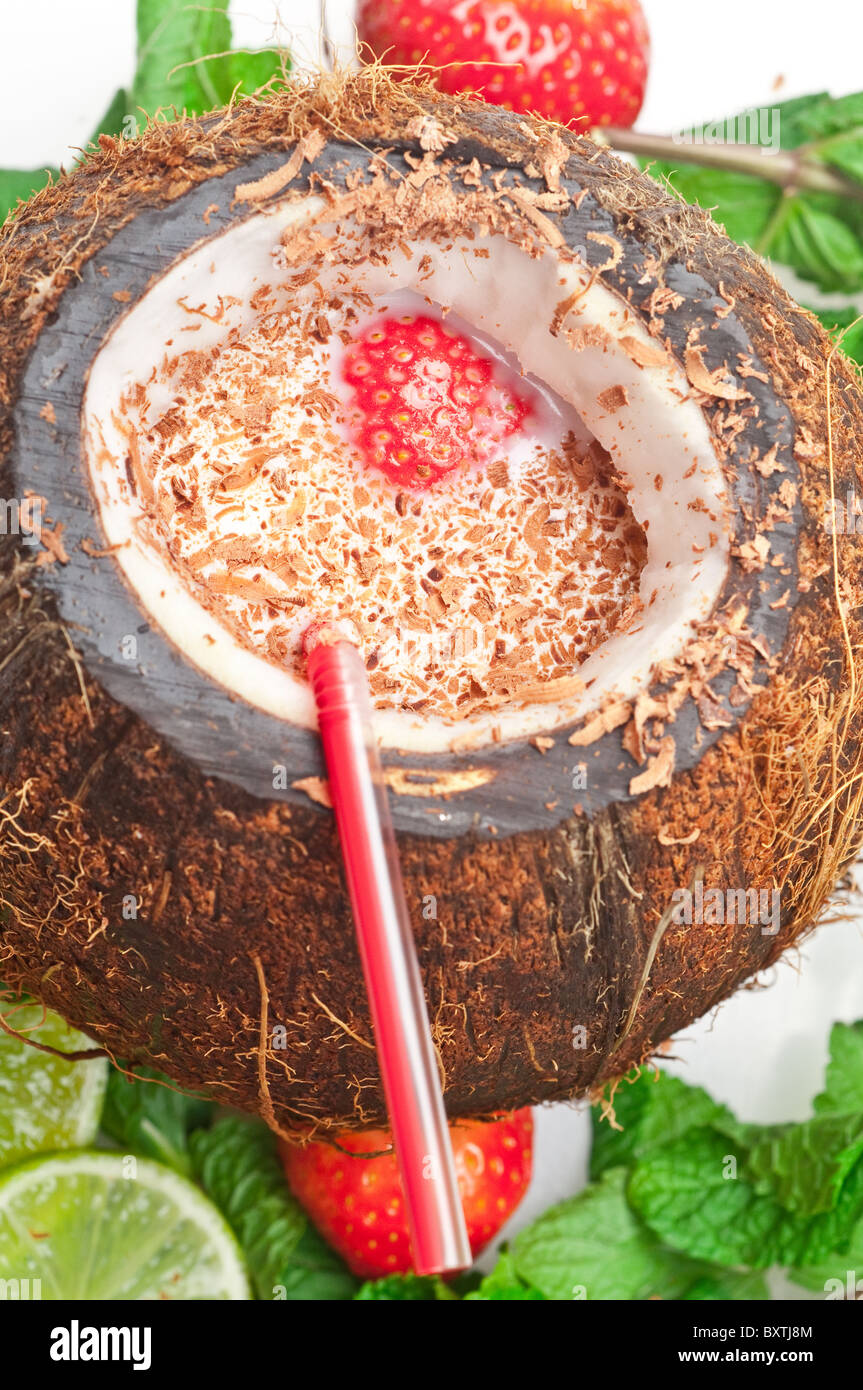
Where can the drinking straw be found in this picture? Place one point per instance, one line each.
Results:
(405, 1052)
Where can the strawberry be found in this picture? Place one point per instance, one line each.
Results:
(424, 400)
(358, 1205)
(567, 60)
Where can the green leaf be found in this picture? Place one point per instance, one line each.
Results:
(845, 153)
(817, 234)
(153, 1119)
(174, 36)
(653, 1108)
(823, 115)
(843, 1084)
(249, 71)
(18, 184)
(595, 1242)
(851, 343)
(817, 244)
(315, 1273)
(237, 1164)
(719, 1284)
(689, 1196)
(805, 1165)
(834, 1265)
(503, 1285)
(405, 1288)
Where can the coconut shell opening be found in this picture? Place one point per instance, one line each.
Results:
(169, 876)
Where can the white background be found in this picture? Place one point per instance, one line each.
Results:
(60, 62)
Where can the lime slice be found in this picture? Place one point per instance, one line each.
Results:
(100, 1226)
(46, 1103)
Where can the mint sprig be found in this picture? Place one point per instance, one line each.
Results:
(781, 203)
(145, 1113)
(237, 1164)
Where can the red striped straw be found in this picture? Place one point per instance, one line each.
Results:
(402, 1033)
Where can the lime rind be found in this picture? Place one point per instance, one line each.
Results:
(46, 1103)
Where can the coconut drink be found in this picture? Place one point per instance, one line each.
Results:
(556, 453)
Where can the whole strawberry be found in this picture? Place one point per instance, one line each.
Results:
(573, 61)
(424, 401)
(357, 1203)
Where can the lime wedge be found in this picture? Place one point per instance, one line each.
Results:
(46, 1103)
(100, 1226)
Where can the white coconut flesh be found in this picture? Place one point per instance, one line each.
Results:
(656, 435)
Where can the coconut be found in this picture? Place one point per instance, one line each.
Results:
(596, 848)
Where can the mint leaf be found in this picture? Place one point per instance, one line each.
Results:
(805, 1165)
(18, 184)
(688, 1195)
(405, 1288)
(653, 1108)
(843, 1084)
(835, 1265)
(237, 1164)
(595, 1242)
(816, 243)
(315, 1273)
(684, 1194)
(727, 1284)
(823, 115)
(503, 1285)
(845, 153)
(851, 343)
(153, 1119)
(817, 234)
(173, 36)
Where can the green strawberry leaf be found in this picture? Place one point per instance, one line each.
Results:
(153, 1119)
(594, 1246)
(651, 1109)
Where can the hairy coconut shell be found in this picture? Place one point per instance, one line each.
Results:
(551, 957)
